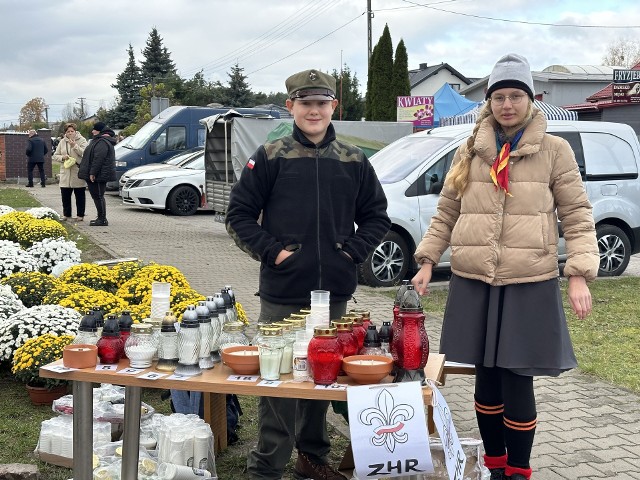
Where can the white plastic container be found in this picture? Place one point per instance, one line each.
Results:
(300, 364)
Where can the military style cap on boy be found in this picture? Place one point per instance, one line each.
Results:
(311, 85)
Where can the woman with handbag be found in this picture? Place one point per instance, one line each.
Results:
(69, 153)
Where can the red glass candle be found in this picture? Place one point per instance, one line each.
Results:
(366, 316)
(396, 309)
(325, 355)
(110, 346)
(358, 328)
(347, 339)
(410, 344)
(110, 349)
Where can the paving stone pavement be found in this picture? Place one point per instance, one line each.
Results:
(587, 429)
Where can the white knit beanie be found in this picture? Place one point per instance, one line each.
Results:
(511, 71)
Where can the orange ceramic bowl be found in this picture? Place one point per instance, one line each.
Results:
(367, 369)
(242, 359)
(80, 356)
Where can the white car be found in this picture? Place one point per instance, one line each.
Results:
(179, 189)
(178, 160)
(412, 172)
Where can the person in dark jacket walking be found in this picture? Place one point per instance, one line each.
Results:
(310, 188)
(36, 150)
(98, 167)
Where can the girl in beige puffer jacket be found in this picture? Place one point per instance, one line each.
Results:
(69, 153)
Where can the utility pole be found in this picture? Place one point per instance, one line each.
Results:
(82, 114)
(46, 114)
(369, 17)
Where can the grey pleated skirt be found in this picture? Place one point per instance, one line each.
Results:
(520, 327)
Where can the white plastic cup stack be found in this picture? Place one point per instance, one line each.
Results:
(160, 299)
(319, 315)
(170, 471)
(201, 448)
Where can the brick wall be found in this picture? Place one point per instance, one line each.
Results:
(13, 159)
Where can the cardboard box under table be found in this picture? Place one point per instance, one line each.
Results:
(214, 383)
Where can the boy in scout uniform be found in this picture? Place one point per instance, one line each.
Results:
(311, 188)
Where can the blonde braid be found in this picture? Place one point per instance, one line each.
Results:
(458, 176)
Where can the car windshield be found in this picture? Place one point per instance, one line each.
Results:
(394, 162)
(196, 164)
(143, 135)
(181, 158)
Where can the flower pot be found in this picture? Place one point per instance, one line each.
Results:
(45, 396)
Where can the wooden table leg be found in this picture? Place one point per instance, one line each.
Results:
(215, 414)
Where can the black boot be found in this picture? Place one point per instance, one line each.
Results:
(99, 222)
(497, 474)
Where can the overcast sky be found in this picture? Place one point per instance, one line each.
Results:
(66, 49)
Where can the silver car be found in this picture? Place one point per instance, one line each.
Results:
(412, 171)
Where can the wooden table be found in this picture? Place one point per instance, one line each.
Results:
(214, 383)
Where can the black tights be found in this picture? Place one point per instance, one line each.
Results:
(506, 413)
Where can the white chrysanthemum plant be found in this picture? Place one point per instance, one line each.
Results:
(44, 212)
(60, 267)
(6, 209)
(33, 322)
(52, 251)
(10, 303)
(14, 260)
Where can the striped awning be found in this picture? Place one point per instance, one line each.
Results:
(550, 111)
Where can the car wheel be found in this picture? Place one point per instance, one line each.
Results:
(184, 201)
(388, 264)
(615, 250)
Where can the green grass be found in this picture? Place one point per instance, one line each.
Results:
(17, 198)
(606, 342)
(21, 199)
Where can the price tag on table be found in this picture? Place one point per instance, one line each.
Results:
(269, 383)
(243, 378)
(106, 368)
(152, 375)
(333, 386)
(130, 371)
(177, 377)
(59, 368)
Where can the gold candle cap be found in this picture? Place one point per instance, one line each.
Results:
(323, 331)
(342, 326)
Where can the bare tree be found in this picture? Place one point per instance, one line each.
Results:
(623, 52)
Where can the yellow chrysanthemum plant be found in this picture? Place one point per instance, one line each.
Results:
(37, 230)
(9, 223)
(31, 287)
(124, 271)
(84, 301)
(35, 353)
(135, 290)
(62, 290)
(97, 277)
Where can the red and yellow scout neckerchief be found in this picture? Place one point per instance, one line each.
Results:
(500, 168)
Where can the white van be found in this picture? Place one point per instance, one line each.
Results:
(412, 172)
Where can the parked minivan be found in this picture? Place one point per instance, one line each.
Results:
(412, 172)
(173, 130)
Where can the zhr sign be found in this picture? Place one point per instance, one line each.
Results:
(417, 110)
(626, 86)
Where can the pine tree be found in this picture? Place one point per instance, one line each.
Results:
(128, 84)
(157, 65)
(371, 94)
(384, 107)
(400, 84)
(238, 93)
(349, 96)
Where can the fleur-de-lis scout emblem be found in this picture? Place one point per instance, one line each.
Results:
(388, 421)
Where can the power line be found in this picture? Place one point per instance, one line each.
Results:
(308, 45)
(510, 20)
(248, 45)
(282, 29)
